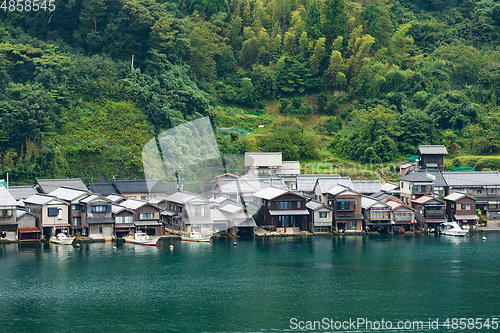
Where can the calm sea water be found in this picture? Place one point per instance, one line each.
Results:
(257, 286)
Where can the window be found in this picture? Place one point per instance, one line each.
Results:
(101, 208)
(75, 207)
(6, 212)
(492, 206)
(283, 205)
(344, 205)
(124, 219)
(323, 215)
(298, 204)
(452, 205)
(351, 225)
(466, 206)
(478, 191)
(146, 216)
(198, 211)
(77, 220)
(377, 214)
(52, 211)
(321, 229)
(100, 229)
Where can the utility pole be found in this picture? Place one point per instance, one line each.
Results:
(132, 66)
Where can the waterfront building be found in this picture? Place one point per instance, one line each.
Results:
(27, 225)
(461, 207)
(124, 220)
(483, 185)
(320, 218)
(281, 210)
(146, 216)
(316, 186)
(241, 221)
(77, 212)
(8, 215)
(414, 185)
(430, 212)
(402, 216)
(99, 217)
(346, 204)
(377, 215)
(52, 213)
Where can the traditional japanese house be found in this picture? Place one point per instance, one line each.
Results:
(146, 216)
(76, 213)
(461, 207)
(482, 185)
(52, 214)
(320, 217)
(8, 215)
(240, 220)
(347, 213)
(431, 154)
(281, 211)
(27, 226)
(402, 216)
(124, 220)
(430, 210)
(414, 185)
(262, 164)
(100, 223)
(377, 215)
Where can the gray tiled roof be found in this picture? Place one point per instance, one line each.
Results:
(316, 205)
(432, 150)
(49, 185)
(181, 197)
(68, 194)
(140, 186)
(22, 192)
(366, 186)
(263, 159)
(439, 180)
(103, 188)
(416, 177)
(472, 178)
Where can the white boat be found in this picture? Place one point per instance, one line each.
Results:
(196, 237)
(452, 229)
(142, 238)
(62, 239)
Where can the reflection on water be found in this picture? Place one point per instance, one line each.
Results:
(257, 285)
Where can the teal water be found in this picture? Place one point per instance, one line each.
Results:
(257, 286)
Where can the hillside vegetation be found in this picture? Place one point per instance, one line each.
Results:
(365, 81)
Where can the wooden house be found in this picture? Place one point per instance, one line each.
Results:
(377, 215)
(146, 216)
(430, 155)
(461, 207)
(347, 213)
(281, 211)
(52, 214)
(27, 226)
(402, 216)
(124, 220)
(430, 211)
(100, 223)
(76, 212)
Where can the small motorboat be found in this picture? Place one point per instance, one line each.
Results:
(62, 239)
(196, 237)
(141, 238)
(452, 229)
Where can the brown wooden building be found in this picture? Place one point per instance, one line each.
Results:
(461, 207)
(346, 204)
(431, 156)
(281, 211)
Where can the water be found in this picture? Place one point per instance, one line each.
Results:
(257, 286)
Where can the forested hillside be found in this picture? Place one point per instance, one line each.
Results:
(366, 81)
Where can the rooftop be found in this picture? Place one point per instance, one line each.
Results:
(133, 203)
(140, 186)
(6, 199)
(22, 192)
(269, 193)
(41, 199)
(366, 186)
(457, 196)
(69, 194)
(472, 178)
(181, 197)
(49, 185)
(289, 168)
(432, 150)
(103, 188)
(263, 160)
(415, 177)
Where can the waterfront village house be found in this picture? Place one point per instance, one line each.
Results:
(320, 217)
(48, 185)
(366, 187)
(197, 217)
(377, 215)
(430, 212)
(76, 213)
(431, 155)
(140, 189)
(240, 220)
(124, 220)
(346, 204)
(402, 216)
(175, 212)
(100, 222)
(461, 207)
(483, 185)
(27, 225)
(51, 212)
(219, 219)
(281, 210)
(288, 172)
(8, 215)
(146, 216)
(414, 185)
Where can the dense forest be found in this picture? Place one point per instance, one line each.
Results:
(84, 87)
